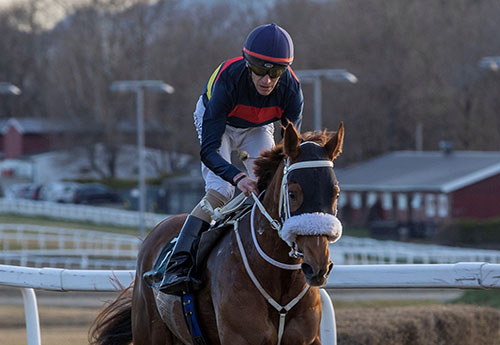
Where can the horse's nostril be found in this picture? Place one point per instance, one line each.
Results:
(307, 269)
(330, 267)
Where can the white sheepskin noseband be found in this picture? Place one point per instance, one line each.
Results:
(312, 224)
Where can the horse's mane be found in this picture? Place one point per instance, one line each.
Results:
(266, 165)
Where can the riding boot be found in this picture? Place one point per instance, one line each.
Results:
(176, 278)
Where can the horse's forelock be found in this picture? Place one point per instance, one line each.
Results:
(320, 137)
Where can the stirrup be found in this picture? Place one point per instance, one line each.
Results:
(181, 285)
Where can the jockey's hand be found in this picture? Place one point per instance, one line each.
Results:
(247, 185)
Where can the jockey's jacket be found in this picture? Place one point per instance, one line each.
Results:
(230, 98)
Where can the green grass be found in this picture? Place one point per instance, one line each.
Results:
(44, 221)
(487, 298)
(356, 231)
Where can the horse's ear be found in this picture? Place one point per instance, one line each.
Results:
(291, 142)
(333, 147)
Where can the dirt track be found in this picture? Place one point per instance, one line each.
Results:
(12, 296)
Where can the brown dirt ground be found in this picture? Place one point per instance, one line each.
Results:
(366, 323)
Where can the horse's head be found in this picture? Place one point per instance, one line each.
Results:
(308, 199)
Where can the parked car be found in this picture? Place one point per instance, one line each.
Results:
(58, 191)
(17, 191)
(95, 193)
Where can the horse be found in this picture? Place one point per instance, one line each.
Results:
(262, 278)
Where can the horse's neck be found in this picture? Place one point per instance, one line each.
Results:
(282, 284)
(269, 239)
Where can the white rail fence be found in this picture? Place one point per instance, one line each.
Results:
(44, 246)
(467, 275)
(363, 251)
(81, 213)
(33, 245)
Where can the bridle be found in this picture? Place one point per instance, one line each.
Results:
(284, 201)
(284, 204)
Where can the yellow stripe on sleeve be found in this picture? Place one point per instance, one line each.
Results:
(212, 80)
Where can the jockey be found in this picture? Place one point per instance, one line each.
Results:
(242, 99)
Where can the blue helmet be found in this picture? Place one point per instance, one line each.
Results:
(268, 46)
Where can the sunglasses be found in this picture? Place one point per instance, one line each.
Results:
(272, 72)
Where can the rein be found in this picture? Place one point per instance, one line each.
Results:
(262, 253)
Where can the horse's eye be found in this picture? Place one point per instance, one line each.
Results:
(292, 196)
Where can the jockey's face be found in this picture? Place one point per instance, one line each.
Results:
(264, 84)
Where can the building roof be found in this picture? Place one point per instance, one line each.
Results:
(33, 125)
(420, 171)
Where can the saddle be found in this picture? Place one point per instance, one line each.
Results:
(235, 209)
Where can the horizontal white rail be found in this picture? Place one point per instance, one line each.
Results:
(71, 252)
(362, 251)
(466, 275)
(59, 279)
(45, 246)
(83, 213)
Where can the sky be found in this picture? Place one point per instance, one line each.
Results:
(55, 12)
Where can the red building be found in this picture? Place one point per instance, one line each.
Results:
(421, 189)
(22, 136)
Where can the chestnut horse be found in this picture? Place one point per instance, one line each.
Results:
(262, 278)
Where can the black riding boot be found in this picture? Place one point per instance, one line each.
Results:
(176, 278)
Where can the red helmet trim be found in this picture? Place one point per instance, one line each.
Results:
(268, 58)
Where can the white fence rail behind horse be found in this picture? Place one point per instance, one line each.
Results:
(83, 213)
(44, 246)
(468, 275)
(34, 245)
(364, 251)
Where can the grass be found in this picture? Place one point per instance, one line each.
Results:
(486, 298)
(356, 231)
(44, 221)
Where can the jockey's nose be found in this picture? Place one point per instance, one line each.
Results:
(266, 79)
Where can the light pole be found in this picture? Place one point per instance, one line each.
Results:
(9, 89)
(314, 76)
(490, 62)
(139, 86)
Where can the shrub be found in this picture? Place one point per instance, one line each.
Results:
(422, 325)
(471, 232)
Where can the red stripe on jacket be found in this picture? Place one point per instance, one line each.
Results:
(227, 63)
(256, 115)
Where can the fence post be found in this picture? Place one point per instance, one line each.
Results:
(328, 329)
(31, 316)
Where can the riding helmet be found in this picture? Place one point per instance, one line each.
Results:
(268, 46)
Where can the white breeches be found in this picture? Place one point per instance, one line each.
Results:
(253, 140)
